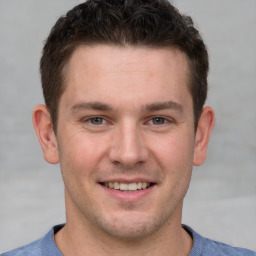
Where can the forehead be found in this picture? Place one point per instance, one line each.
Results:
(102, 69)
(118, 57)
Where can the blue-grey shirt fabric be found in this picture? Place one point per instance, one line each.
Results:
(201, 247)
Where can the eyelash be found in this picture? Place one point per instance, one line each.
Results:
(90, 119)
(150, 121)
(163, 119)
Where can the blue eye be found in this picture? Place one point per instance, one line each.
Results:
(96, 120)
(158, 120)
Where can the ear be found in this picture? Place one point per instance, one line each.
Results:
(45, 133)
(203, 132)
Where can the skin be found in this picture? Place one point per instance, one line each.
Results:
(126, 115)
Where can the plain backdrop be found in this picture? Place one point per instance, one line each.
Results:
(221, 202)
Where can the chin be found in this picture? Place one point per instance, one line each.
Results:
(130, 226)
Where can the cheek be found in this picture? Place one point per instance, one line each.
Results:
(80, 155)
(78, 164)
(178, 163)
(175, 156)
(173, 151)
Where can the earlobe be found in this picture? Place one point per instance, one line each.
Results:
(45, 133)
(204, 128)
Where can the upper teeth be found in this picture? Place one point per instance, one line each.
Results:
(127, 186)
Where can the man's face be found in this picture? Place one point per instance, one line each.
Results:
(126, 138)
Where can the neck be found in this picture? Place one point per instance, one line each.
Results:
(71, 243)
(80, 237)
(72, 240)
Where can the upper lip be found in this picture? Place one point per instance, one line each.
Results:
(127, 180)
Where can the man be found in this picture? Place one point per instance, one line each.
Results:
(125, 84)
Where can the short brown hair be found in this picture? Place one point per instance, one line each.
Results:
(122, 22)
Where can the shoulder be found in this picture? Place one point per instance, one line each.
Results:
(30, 249)
(221, 249)
(41, 247)
(207, 247)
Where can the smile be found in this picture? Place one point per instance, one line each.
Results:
(127, 186)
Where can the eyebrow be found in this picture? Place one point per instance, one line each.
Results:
(163, 105)
(95, 105)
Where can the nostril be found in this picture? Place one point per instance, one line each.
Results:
(128, 147)
(117, 163)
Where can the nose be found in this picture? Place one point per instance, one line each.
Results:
(128, 147)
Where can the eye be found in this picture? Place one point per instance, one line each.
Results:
(96, 123)
(96, 120)
(158, 120)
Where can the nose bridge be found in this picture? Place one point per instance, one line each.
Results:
(128, 145)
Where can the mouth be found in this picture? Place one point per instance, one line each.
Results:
(127, 187)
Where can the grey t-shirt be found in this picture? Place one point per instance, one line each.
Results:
(201, 247)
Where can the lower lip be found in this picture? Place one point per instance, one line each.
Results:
(130, 196)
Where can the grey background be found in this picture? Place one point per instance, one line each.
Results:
(221, 202)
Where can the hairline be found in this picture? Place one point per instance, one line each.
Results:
(77, 45)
